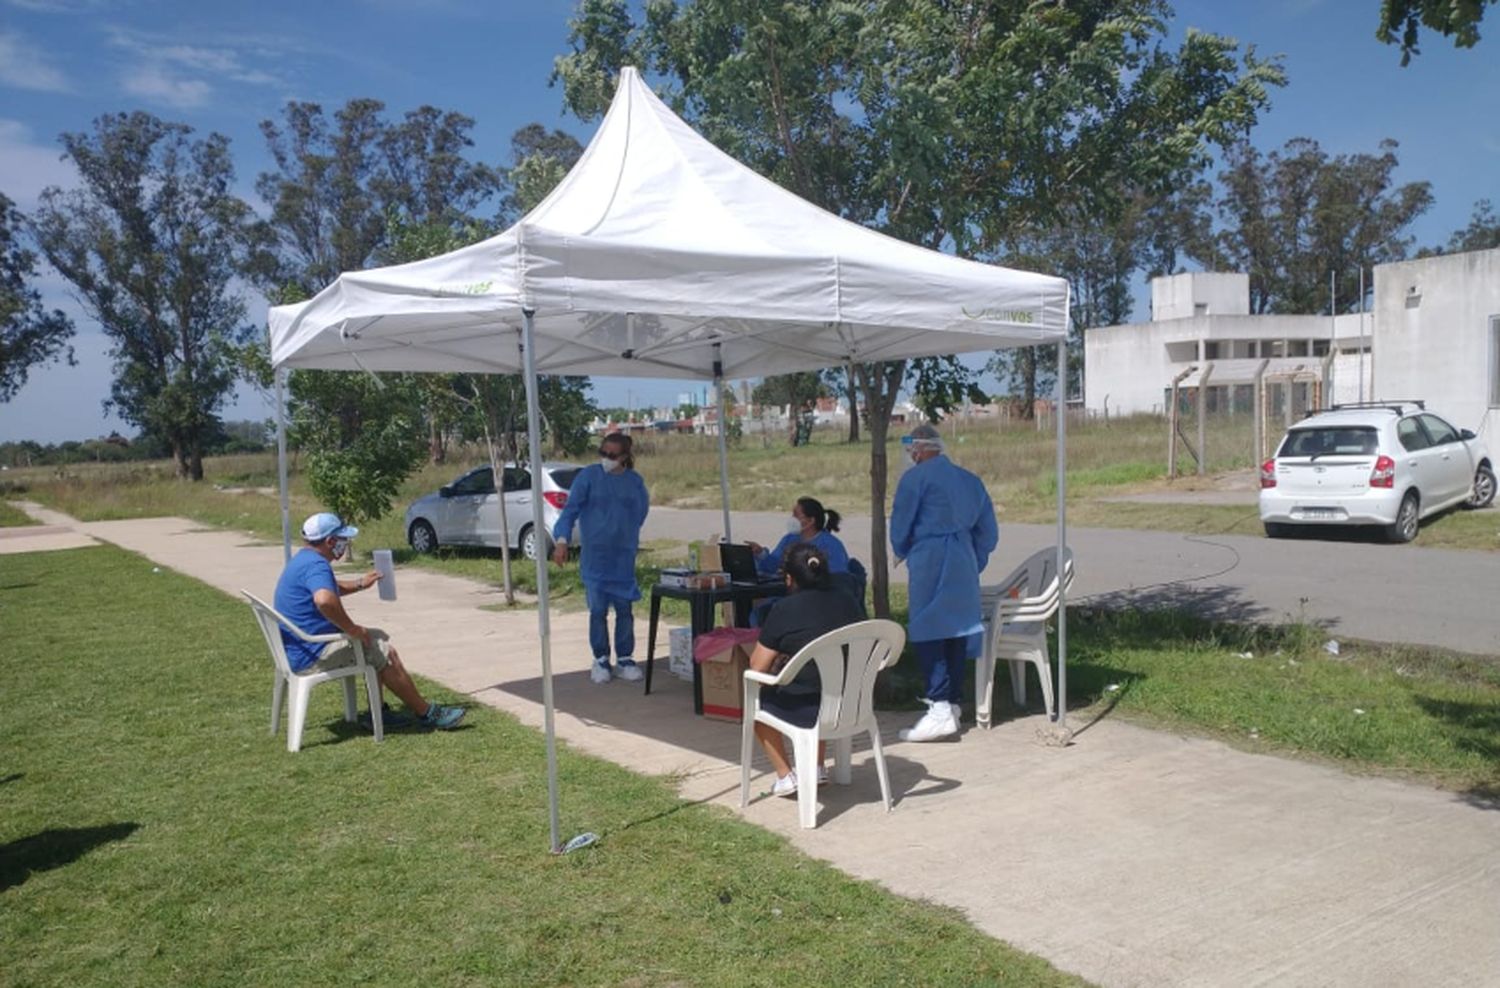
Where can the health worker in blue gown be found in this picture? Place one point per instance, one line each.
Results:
(943, 526)
(810, 522)
(609, 502)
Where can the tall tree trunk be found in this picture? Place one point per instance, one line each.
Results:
(1028, 382)
(881, 383)
(195, 462)
(437, 450)
(852, 390)
(180, 459)
(497, 470)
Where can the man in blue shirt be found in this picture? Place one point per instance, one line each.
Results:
(310, 596)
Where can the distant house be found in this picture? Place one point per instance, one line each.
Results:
(1437, 336)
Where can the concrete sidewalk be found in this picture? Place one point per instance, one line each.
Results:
(1133, 858)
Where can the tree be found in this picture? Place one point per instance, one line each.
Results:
(1482, 233)
(1402, 20)
(1292, 216)
(790, 390)
(945, 125)
(539, 160)
(30, 336)
(152, 242)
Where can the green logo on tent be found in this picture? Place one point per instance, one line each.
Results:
(998, 315)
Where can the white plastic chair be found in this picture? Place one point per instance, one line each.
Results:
(301, 683)
(847, 709)
(1018, 610)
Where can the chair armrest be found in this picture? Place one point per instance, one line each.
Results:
(764, 678)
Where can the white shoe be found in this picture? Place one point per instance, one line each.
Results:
(937, 722)
(785, 785)
(627, 670)
(600, 672)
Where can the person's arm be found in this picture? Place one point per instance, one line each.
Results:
(903, 515)
(986, 532)
(838, 556)
(763, 658)
(330, 606)
(769, 563)
(643, 506)
(578, 496)
(365, 582)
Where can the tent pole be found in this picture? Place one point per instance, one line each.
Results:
(543, 618)
(723, 440)
(1062, 533)
(286, 508)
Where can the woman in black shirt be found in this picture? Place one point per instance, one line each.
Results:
(813, 608)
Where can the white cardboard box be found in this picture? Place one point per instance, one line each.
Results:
(680, 652)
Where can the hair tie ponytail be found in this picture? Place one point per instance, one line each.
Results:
(812, 562)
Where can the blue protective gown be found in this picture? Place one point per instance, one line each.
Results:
(943, 525)
(769, 563)
(609, 509)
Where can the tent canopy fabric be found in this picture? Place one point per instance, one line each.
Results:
(656, 246)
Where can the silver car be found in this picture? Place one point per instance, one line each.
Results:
(467, 512)
(1380, 464)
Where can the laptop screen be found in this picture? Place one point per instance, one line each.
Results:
(738, 562)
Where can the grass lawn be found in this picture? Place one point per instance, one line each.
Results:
(13, 517)
(151, 832)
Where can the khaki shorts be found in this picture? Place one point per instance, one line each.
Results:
(337, 655)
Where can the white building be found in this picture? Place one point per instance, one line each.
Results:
(1437, 337)
(1201, 324)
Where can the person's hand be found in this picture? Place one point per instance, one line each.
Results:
(369, 580)
(755, 548)
(362, 633)
(560, 553)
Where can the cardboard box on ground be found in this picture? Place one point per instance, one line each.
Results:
(680, 653)
(724, 684)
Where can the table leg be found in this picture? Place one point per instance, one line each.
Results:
(651, 636)
(701, 621)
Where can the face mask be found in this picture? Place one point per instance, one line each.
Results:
(610, 466)
(793, 527)
(340, 546)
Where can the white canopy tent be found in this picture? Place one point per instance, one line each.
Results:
(660, 256)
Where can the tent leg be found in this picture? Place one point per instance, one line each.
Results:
(543, 618)
(286, 509)
(723, 442)
(1062, 533)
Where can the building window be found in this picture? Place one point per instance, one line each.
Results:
(1495, 361)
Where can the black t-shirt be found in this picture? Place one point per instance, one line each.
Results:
(801, 617)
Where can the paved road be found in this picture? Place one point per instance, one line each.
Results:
(1378, 592)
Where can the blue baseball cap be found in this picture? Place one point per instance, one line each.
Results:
(326, 525)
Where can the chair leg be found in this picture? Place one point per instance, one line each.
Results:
(984, 688)
(805, 751)
(1044, 673)
(885, 778)
(278, 690)
(351, 702)
(377, 716)
(747, 749)
(843, 757)
(1018, 683)
(297, 715)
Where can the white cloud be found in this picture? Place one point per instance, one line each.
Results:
(24, 66)
(29, 167)
(155, 82)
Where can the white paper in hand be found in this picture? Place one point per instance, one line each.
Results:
(387, 572)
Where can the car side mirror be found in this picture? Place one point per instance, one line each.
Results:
(1466, 434)
(445, 491)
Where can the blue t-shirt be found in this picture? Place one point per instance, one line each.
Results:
(306, 574)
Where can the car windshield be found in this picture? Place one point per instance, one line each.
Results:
(564, 477)
(1330, 441)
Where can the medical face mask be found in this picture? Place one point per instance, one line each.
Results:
(340, 546)
(610, 466)
(793, 526)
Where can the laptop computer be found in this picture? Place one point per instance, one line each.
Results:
(739, 563)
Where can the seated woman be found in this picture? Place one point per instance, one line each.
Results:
(812, 608)
(810, 522)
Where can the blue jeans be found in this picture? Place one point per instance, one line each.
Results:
(943, 663)
(599, 605)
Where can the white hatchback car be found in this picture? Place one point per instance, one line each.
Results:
(1389, 464)
(467, 512)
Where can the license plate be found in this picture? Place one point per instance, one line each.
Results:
(1320, 513)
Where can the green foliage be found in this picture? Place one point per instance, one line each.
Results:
(1402, 20)
(152, 240)
(789, 390)
(362, 437)
(1482, 233)
(1292, 216)
(30, 336)
(539, 160)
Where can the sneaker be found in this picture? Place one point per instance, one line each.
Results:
(937, 722)
(389, 719)
(627, 670)
(441, 717)
(601, 673)
(785, 785)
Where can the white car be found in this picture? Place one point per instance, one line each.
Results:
(1388, 464)
(467, 512)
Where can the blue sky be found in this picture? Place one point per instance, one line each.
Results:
(226, 67)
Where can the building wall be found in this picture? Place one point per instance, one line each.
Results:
(1433, 339)
(1199, 293)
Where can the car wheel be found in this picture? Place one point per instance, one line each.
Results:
(1279, 530)
(528, 543)
(421, 536)
(1484, 488)
(1404, 528)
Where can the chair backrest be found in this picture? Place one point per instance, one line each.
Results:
(848, 659)
(270, 622)
(1032, 591)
